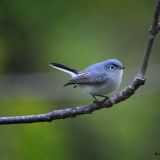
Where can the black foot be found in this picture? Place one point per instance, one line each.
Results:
(106, 97)
(98, 101)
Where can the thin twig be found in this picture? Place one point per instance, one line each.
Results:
(123, 95)
(152, 34)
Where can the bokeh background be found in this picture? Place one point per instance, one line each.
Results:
(76, 33)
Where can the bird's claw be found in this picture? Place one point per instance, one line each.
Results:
(96, 101)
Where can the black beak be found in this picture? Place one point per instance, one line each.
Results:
(123, 67)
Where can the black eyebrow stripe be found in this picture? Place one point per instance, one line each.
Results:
(115, 65)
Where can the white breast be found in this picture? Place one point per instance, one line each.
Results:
(105, 88)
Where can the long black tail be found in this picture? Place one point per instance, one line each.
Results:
(64, 68)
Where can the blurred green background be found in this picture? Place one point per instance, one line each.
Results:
(76, 33)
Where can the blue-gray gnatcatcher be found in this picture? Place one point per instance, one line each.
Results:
(98, 79)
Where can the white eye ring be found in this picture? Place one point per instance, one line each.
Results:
(111, 67)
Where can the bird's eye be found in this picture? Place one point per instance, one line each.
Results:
(111, 67)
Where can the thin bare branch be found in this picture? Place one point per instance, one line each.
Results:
(123, 95)
(152, 34)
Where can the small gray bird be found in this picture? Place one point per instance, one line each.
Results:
(98, 79)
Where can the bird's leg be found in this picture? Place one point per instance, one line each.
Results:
(96, 100)
(106, 97)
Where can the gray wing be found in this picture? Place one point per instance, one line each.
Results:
(85, 78)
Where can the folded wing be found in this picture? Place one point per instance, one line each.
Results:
(85, 78)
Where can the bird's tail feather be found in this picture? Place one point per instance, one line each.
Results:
(66, 69)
